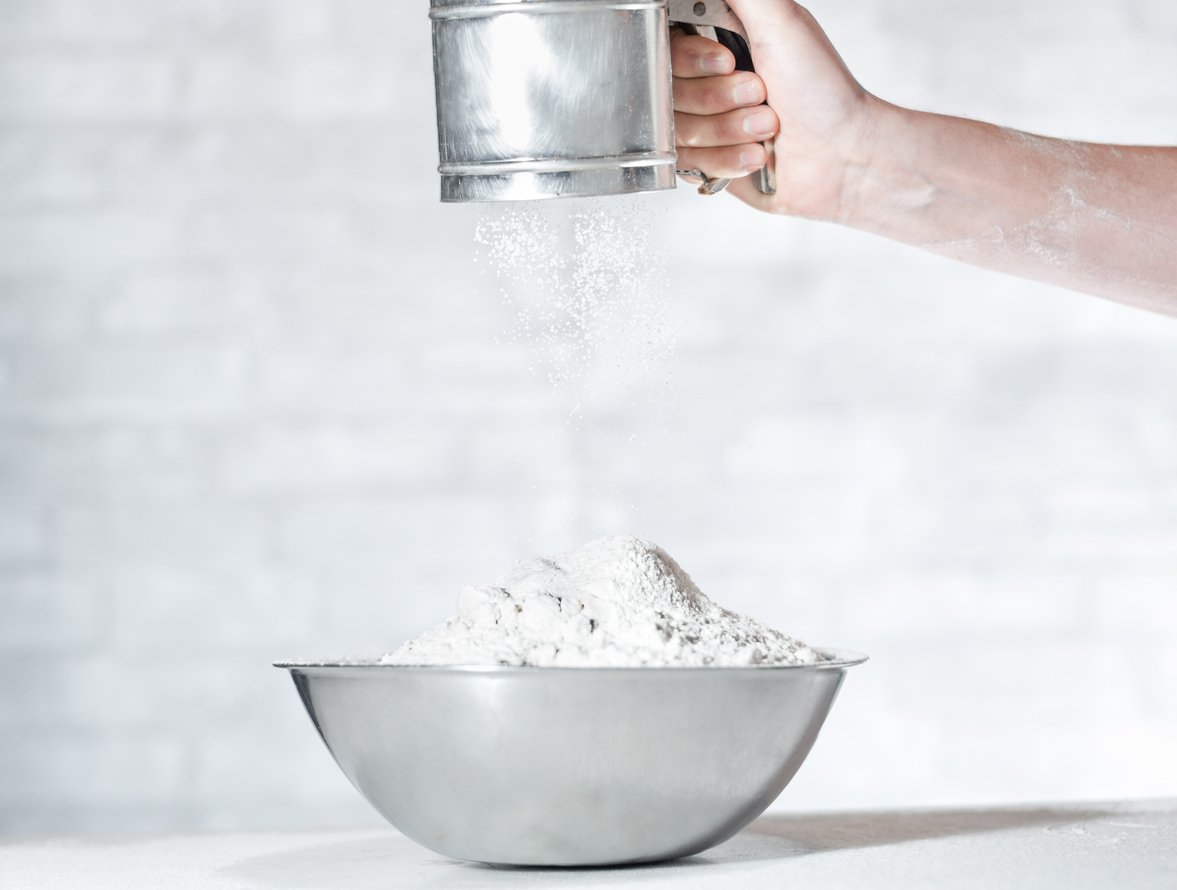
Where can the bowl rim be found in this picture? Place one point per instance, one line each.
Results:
(842, 658)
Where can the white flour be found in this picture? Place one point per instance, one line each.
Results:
(586, 282)
(615, 602)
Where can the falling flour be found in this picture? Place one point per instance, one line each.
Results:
(586, 283)
(615, 602)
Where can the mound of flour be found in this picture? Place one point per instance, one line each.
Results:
(615, 602)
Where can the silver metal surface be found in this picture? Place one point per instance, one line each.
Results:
(555, 98)
(569, 766)
(550, 98)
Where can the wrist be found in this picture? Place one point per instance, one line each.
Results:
(837, 180)
(879, 173)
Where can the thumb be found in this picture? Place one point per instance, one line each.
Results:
(767, 22)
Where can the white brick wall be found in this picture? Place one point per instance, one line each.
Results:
(253, 404)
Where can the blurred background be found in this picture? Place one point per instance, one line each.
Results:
(256, 402)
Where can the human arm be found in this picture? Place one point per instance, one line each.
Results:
(1096, 218)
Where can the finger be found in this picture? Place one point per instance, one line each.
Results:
(695, 56)
(730, 128)
(714, 95)
(745, 189)
(725, 162)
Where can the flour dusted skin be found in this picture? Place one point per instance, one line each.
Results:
(615, 602)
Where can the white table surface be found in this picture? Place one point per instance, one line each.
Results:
(1122, 846)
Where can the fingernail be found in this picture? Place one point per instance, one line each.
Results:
(747, 93)
(714, 63)
(751, 160)
(760, 123)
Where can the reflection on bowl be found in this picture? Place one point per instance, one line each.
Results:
(569, 766)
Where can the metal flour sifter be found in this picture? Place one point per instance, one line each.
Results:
(553, 98)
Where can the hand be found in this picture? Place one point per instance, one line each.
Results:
(822, 115)
(1081, 215)
(719, 116)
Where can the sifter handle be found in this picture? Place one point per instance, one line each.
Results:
(715, 19)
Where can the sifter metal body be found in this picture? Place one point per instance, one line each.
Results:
(552, 98)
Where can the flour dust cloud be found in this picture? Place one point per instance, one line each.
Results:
(586, 283)
(586, 286)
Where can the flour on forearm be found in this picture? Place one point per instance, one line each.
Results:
(615, 602)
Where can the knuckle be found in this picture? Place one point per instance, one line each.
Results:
(723, 164)
(687, 96)
(733, 130)
(716, 97)
(687, 51)
(686, 131)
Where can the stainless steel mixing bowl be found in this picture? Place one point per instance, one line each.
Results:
(569, 766)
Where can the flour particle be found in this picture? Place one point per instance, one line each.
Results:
(586, 284)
